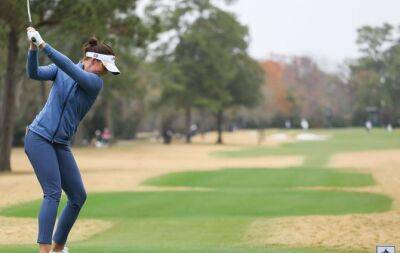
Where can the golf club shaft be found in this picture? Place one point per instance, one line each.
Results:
(29, 16)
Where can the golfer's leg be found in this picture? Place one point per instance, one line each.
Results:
(45, 164)
(72, 185)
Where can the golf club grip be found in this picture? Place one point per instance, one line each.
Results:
(30, 24)
(33, 39)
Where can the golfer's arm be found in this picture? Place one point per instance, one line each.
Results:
(39, 73)
(90, 82)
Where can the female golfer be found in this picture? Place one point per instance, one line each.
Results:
(47, 140)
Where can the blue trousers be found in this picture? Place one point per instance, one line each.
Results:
(56, 169)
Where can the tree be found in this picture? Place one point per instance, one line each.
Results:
(182, 63)
(11, 19)
(244, 88)
(374, 76)
(372, 40)
(228, 76)
(212, 68)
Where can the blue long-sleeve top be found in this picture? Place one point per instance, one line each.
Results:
(72, 94)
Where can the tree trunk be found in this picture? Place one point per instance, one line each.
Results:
(188, 124)
(220, 125)
(8, 108)
(108, 115)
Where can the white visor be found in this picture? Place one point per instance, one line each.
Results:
(107, 60)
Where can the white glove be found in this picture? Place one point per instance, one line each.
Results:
(37, 38)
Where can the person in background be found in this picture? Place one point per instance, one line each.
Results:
(288, 124)
(368, 126)
(304, 124)
(106, 136)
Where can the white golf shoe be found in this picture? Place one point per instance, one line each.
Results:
(65, 250)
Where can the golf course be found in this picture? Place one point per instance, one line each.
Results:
(337, 194)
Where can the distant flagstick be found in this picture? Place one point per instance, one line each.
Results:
(29, 16)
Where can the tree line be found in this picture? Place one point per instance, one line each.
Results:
(186, 63)
(363, 89)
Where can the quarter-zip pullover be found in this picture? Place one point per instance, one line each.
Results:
(72, 94)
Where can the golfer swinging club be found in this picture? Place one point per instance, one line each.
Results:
(47, 140)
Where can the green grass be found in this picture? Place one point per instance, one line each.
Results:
(117, 248)
(263, 178)
(173, 235)
(317, 153)
(215, 221)
(204, 221)
(220, 203)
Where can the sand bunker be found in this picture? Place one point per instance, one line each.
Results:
(248, 137)
(347, 231)
(24, 230)
(311, 137)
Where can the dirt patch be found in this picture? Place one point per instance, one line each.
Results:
(24, 230)
(159, 157)
(384, 165)
(348, 231)
(17, 188)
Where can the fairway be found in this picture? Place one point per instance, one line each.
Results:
(229, 210)
(248, 203)
(264, 178)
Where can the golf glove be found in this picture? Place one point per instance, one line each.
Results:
(35, 34)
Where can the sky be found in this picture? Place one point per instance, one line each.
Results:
(326, 30)
(323, 29)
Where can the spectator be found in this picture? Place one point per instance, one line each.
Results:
(106, 136)
(304, 124)
(368, 126)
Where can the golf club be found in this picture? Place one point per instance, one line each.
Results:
(29, 16)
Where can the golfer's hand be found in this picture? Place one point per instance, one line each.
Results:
(32, 33)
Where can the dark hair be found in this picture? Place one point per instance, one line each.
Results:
(93, 45)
